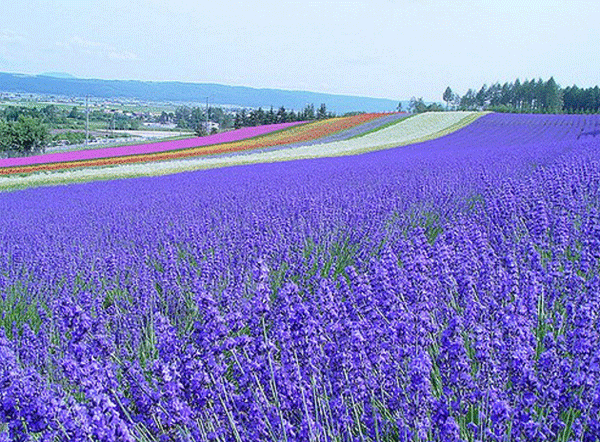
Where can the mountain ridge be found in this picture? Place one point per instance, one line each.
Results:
(178, 91)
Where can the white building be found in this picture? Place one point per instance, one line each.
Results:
(209, 126)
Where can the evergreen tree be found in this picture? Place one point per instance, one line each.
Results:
(455, 101)
(259, 117)
(539, 93)
(481, 97)
(506, 94)
(270, 117)
(322, 112)
(469, 100)
(533, 96)
(282, 116)
(309, 112)
(552, 96)
(517, 95)
(447, 96)
(494, 94)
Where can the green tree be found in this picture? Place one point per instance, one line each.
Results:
(322, 112)
(257, 117)
(50, 112)
(25, 136)
(200, 130)
(469, 100)
(481, 96)
(183, 116)
(270, 116)
(448, 95)
(244, 118)
(494, 94)
(196, 117)
(416, 106)
(309, 112)
(6, 137)
(528, 94)
(553, 96)
(507, 94)
(164, 118)
(282, 116)
(517, 95)
(74, 113)
(455, 101)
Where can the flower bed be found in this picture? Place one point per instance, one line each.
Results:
(171, 150)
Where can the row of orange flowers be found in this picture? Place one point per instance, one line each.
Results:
(295, 134)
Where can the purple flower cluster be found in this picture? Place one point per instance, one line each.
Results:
(445, 291)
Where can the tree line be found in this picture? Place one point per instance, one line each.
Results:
(25, 130)
(259, 117)
(195, 118)
(536, 96)
(186, 117)
(417, 106)
(60, 117)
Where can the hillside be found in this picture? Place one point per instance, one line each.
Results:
(281, 142)
(189, 92)
(448, 287)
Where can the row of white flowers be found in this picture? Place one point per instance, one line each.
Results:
(415, 129)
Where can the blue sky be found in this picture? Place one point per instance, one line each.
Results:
(378, 48)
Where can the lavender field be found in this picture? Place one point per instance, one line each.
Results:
(442, 291)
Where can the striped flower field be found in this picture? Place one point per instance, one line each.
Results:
(238, 140)
(440, 290)
(144, 149)
(344, 136)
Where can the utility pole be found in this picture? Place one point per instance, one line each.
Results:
(87, 120)
(207, 131)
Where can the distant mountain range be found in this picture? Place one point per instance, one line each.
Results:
(57, 75)
(171, 91)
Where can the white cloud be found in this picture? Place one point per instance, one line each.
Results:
(97, 49)
(363, 60)
(7, 36)
(123, 55)
(11, 47)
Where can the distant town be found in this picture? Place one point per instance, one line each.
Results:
(63, 122)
